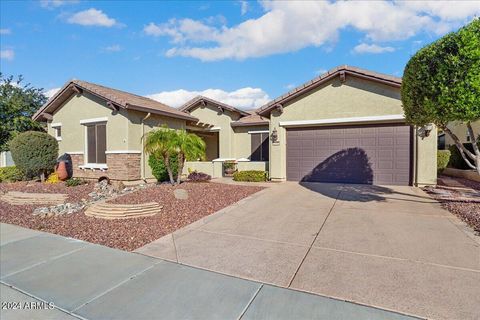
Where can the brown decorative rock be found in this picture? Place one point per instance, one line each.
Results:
(180, 194)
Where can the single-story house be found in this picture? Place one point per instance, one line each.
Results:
(346, 125)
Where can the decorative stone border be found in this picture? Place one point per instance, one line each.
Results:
(24, 198)
(106, 210)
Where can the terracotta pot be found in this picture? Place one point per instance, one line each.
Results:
(62, 171)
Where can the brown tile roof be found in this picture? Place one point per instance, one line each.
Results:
(118, 98)
(187, 106)
(253, 119)
(345, 70)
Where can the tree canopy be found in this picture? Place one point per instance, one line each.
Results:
(18, 102)
(441, 84)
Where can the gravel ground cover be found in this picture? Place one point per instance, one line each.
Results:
(203, 199)
(74, 193)
(468, 212)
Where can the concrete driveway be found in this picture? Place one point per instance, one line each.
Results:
(389, 247)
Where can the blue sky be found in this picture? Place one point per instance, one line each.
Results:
(243, 53)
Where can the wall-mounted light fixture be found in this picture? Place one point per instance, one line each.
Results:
(274, 135)
(427, 129)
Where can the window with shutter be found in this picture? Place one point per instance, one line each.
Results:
(97, 143)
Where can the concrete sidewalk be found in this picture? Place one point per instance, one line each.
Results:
(89, 281)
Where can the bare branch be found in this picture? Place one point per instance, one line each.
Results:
(473, 138)
(461, 148)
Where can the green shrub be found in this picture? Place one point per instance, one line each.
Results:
(443, 157)
(73, 182)
(159, 170)
(35, 153)
(456, 160)
(250, 176)
(11, 174)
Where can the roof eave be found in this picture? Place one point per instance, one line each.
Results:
(319, 81)
(193, 103)
(244, 124)
(163, 113)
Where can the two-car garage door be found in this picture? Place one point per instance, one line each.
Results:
(371, 154)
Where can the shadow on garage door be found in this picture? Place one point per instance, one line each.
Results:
(365, 154)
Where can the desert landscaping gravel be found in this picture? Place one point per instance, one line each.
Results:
(203, 199)
(467, 211)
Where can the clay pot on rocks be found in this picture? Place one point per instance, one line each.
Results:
(62, 171)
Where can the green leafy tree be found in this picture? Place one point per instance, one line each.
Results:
(18, 102)
(441, 84)
(189, 147)
(161, 144)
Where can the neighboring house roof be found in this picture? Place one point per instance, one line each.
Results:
(340, 71)
(115, 99)
(253, 119)
(189, 105)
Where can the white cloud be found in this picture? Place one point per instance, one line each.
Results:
(113, 48)
(288, 26)
(243, 7)
(371, 48)
(290, 86)
(321, 71)
(243, 98)
(56, 3)
(7, 54)
(5, 31)
(50, 93)
(92, 17)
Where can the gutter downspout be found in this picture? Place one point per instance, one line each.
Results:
(143, 147)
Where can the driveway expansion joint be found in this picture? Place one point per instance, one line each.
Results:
(313, 241)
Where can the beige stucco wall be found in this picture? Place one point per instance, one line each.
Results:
(354, 98)
(460, 130)
(211, 115)
(135, 132)
(124, 128)
(87, 106)
(242, 140)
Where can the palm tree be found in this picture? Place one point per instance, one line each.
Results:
(161, 143)
(189, 147)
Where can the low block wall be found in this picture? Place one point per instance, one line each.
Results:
(466, 174)
(252, 165)
(215, 168)
(121, 166)
(200, 166)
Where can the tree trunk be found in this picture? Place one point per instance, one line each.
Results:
(475, 146)
(166, 161)
(463, 151)
(181, 163)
